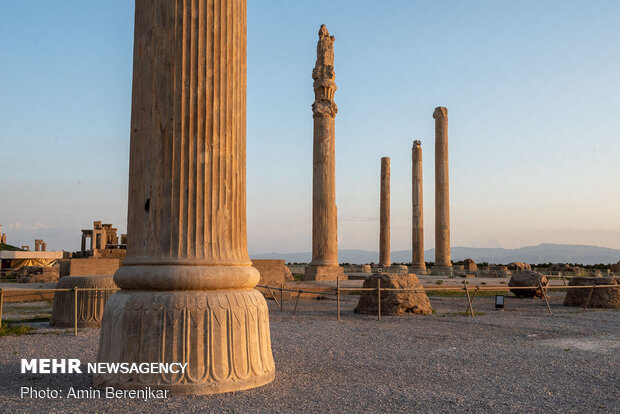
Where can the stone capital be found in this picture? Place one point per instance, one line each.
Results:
(324, 108)
(440, 113)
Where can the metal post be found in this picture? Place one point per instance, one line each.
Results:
(588, 301)
(378, 299)
(282, 297)
(75, 314)
(338, 295)
(296, 302)
(274, 297)
(471, 308)
(544, 293)
(1, 303)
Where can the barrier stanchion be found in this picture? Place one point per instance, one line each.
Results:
(282, 297)
(338, 296)
(296, 302)
(544, 294)
(471, 308)
(274, 297)
(1, 303)
(588, 301)
(75, 309)
(378, 299)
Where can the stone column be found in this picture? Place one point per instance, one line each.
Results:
(324, 265)
(187, 278)
(417, 219)
(83, 244)
(442, 193)
(384, 215)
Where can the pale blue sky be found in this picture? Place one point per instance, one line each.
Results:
(532, 89)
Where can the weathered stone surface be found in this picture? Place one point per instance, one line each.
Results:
(564, 268)
(393, 302)
(288, 275)
(37, 274)
(442, 192)
(272, 272)
(324, 265)
(417, 207)
(384, 214)
(90, 266)
(527, 278)
(616, 268)
(601, 297)
(90, 303)
(470, 266)
(187, 278)
(323, 273)
(519, 266)
(398, 269)
(223, 335)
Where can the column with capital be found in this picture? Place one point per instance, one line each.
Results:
(324, 265)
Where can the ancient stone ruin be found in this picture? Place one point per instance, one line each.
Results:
(384, 214)
(103, 242)
(324, 265)
(608, 298)
(518, 266)
(272, 272)
(394, 302)
(470, 266)
(91, 303)
(37, 274)
(187, 281)
(417, 203)
(528, 278)
(443, 264)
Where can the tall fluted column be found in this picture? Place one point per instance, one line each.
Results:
(442, 192)
(417, 202)
(187, 279)
(324, 265)
(384, 215)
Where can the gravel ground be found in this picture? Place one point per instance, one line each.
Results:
(519, 360)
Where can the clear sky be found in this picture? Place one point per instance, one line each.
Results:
(532, 90)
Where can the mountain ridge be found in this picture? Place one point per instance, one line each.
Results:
(541, 253)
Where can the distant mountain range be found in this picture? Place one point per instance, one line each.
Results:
(543, 253)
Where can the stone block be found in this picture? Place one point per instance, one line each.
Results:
(525, 279)
(608, 298)
(88, 267)
(394, 302)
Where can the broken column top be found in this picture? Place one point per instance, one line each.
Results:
(417, 143)
(324, 76)
(440, 112)
(325, 48)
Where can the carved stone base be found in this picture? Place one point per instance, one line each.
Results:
(442, 271)
(223, 336)
(90, 303)
(314, 272)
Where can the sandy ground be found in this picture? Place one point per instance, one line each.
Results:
(518, 360)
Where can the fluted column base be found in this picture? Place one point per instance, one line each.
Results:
(318, 272)
(223, 336)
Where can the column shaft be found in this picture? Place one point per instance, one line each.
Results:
(384, 219)
(417, 201)
(442, 190)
